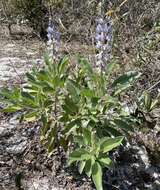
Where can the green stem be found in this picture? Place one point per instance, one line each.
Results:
(56, 124)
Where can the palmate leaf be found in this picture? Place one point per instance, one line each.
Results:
(97, 175)
(111, 143)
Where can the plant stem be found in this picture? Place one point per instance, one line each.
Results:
(56, 124)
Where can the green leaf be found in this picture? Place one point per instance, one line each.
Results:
(27, 95)
(121, 88)
(29, 117)
(79, 139)
(10, 96)
(110, 68)
(81, 166)
(51, 136)
(48, 103)
(62, 65)
(46, 59)
(43, 75)
(44, 119)
(122, 124)
(106, 161)
(72, 126)
(126, 78)
(111, 143)
(78, 155)
(30, 77)
(51, 145)
(87, 93)
(112, 131)
(87, 68)
(31, 88)
(87, 136)
(147, 101)
(70, 107)
(11, 109)
(108, 129)
(48, 89)
(48, 129)
(64, 143)
(5, 93)
(154, 104)
(88, 166)
(97, 176)
(94, 101)
(73, 90)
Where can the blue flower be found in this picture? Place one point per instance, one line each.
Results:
(103, 40)
(53, 40)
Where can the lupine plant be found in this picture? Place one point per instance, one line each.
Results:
(77, 111)
(80, 110)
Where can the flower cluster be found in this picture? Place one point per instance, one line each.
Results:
(53, 40)
(103, 42)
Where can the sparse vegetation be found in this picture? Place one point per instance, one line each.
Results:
(90, 108)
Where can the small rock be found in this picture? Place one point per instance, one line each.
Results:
(39, 183)
(18, 148)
